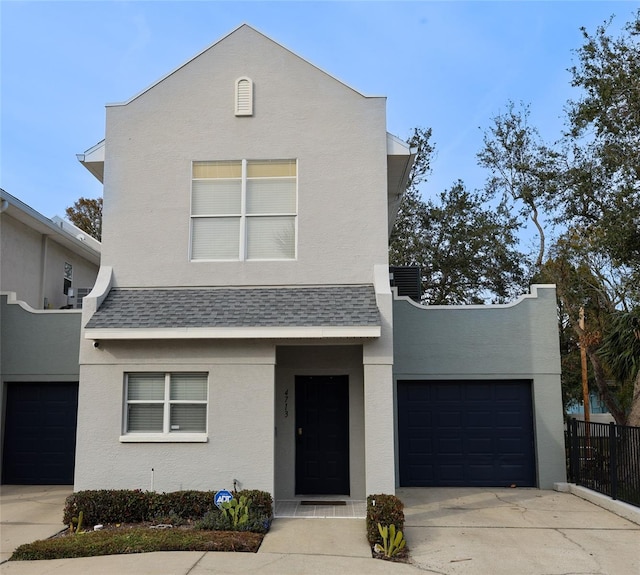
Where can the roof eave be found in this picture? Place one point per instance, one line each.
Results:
(283, 332)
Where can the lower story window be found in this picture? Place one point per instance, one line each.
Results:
(166, 403)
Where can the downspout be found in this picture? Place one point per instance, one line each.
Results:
(43, 268)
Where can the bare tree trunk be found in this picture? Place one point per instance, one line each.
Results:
(634, 414)
(601, 381)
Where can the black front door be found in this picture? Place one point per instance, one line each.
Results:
(322, 435)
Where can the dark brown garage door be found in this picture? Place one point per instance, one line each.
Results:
(466, 433)
(40, 433)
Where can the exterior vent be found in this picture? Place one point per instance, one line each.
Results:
(80, 294)
(407, 281)
(244, 97)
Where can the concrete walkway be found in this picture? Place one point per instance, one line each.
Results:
(450, 531)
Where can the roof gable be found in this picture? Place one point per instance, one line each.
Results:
(243, 32)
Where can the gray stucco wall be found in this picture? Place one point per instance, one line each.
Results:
(32, 265)
(337, 135)
(240, 425)
(36, 346)
(516, 341)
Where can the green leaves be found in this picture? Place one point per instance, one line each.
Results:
(392, 541)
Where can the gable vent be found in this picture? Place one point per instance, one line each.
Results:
(244, 97)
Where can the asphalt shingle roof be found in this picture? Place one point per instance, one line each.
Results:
(339, 306)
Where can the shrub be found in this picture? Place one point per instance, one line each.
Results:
(134, 506)
(216, 520)
(107, 506)
(261, 501)
(386, 510)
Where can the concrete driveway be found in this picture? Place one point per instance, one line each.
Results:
(28, 513)
(456, 531)
(451, 531)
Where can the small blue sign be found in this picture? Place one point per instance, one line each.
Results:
(222, 496)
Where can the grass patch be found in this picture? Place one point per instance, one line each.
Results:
(137, 540)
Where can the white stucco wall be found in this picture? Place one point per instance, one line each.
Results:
(517, 341)
(337, 135)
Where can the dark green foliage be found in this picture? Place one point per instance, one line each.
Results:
(186, 504)
(465, 248)
(387, 510)
(133, 506)
(108, 506)
(261, 501)
(137, 540)
(215, 520)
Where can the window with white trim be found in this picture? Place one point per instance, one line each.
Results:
(166, 403)
(244, 210)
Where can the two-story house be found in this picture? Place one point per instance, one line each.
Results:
(241, 329)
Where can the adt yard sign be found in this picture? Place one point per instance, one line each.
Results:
(223, 496)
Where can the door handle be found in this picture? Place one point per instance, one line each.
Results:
(299, 431)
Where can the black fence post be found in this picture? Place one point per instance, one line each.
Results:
(613, 460)
(574, 449)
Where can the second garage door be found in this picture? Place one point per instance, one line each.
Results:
(40, 433)
(466, 433)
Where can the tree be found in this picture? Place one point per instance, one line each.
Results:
(604, 137)
(87, 215)
(583, 282)
(620, 351)
(523, 169)
(465, 248)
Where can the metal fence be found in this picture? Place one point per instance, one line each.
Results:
(605, 458)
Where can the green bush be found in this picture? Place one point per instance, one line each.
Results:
(386, 510)
(215, 520)
(107, 506)
(261, 501)
(134, 506)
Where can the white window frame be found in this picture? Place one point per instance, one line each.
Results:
(166, 436)
(243, 217)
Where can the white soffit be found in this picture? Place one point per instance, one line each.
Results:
(311, 332)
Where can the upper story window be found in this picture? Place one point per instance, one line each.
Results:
(244, 210)
(68, 278)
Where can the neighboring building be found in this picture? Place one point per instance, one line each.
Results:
(45, 265)
(598, 412)
(48, 263)
(242, 330)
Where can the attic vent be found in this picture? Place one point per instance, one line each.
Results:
(407, 280)
(244, 97)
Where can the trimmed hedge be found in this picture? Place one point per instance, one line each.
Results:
(386, 510)
(134, 505)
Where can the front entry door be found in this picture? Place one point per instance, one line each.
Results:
(322, 435)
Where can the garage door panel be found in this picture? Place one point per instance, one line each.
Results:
(40, 433)
(482, 433)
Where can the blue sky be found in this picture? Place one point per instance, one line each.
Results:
(448, 65)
